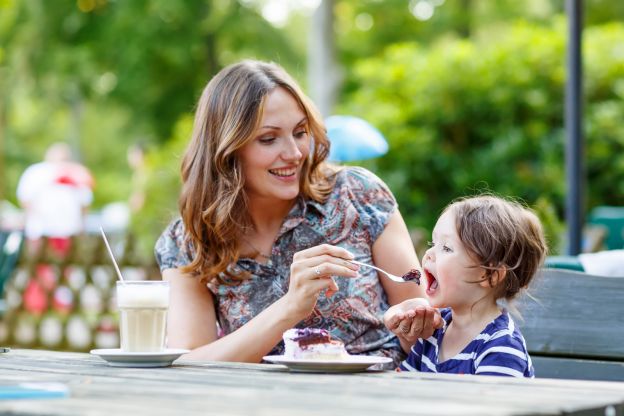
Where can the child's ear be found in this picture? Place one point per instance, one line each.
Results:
(497, 276)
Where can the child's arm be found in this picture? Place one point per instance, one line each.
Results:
(412, 319)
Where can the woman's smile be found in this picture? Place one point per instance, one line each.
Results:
(289, 173)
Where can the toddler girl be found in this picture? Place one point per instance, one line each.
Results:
(485, 249)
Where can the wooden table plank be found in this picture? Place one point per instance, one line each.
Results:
(242, 389)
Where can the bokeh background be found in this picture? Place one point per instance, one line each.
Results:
(468, 93)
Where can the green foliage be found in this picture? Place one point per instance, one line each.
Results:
(105, 74)
(461, 115)
(162, 188)
(366, 27)
(464, 115)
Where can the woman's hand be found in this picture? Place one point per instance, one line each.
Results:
(412, 319)
(311, 273)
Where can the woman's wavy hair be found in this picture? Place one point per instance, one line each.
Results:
(501, 234)
(213, 203)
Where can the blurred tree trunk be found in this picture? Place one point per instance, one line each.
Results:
(463, 27)
(210, 43)
(74, 136)
(323, 70)
(212, 62)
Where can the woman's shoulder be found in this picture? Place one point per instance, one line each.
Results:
(361, 187)
(358, 177)
(171, 249)
(175, 229)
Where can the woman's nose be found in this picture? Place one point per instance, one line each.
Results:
(291, 151)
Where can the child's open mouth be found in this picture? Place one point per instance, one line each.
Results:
(432, 283)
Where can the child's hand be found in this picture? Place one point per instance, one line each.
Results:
(412, 319)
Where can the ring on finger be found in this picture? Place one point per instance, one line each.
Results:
(317, 271)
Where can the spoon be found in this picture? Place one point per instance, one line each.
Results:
(412, 276)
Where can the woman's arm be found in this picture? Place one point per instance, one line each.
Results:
(192, 318)
(394, 252)
(192, 324)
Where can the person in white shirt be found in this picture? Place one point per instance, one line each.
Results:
(55, 194)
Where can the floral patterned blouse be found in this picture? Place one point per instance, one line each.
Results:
(354, 215)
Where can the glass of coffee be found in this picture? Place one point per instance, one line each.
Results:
(142, 315)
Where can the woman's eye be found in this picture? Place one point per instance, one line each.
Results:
(301, 134)
(267, 140)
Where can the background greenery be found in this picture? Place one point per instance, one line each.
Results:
(470, 99)
(467, 115)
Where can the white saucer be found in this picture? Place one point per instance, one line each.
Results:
(350, 364)
(118, 358)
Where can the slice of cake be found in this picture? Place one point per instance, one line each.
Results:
(312, 344)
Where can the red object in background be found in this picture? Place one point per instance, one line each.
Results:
(46, 277)
(38, 290)
(74, 174)
(59, 245)
(35, 298)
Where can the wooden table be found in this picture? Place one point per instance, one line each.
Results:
(190, 388)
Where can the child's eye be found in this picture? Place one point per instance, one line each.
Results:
(446, 249)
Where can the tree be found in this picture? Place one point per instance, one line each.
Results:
(469, 115)
(103, 74)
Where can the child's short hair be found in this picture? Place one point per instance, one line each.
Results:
(501, 234)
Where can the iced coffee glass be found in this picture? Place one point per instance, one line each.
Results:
(142, 315)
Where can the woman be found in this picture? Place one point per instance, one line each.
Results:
(267, 229)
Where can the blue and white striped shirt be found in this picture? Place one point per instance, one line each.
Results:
(498, 350)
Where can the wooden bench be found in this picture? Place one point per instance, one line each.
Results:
(575, 327)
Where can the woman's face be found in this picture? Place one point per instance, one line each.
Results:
(273, 159)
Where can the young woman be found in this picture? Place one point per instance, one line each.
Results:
(267, 229)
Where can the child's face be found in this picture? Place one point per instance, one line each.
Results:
(450, 272)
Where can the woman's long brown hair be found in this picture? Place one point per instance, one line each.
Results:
(212, 202)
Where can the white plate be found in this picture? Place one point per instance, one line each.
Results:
(351, 364)
(118, 358)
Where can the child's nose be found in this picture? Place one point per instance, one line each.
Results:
(429, 255)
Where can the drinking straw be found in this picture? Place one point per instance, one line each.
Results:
(110, 252)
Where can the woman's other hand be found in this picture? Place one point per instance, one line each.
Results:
(412, 319)
(312, 271)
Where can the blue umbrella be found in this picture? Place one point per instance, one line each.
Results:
(353, 138)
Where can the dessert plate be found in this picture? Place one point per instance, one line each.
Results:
(350, 364)
(118, 358)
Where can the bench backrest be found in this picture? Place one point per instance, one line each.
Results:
(575, 328)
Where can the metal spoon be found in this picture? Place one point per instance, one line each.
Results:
(411, 276)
